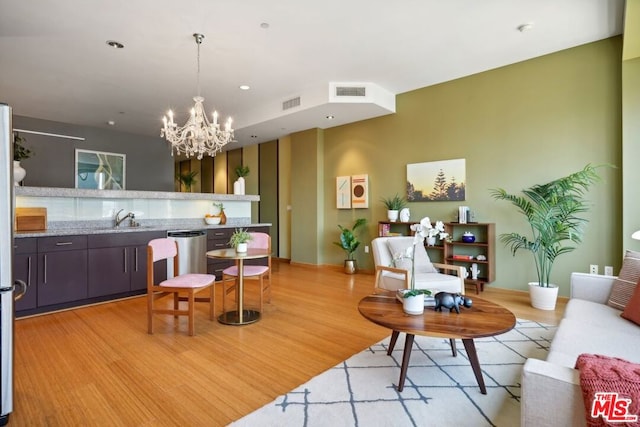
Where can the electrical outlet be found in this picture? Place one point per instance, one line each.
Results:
(593, 269)
(608, 270)
(366, 249)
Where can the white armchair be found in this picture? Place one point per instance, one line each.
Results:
(427, 274)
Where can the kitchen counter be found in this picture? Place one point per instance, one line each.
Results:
(167, 225)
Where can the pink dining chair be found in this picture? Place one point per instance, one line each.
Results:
(251, 272)
(189, 284)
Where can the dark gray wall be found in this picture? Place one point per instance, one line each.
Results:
(149, 165)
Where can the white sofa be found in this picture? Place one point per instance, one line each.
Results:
(427, 276)
(551, 393)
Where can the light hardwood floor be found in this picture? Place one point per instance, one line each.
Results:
(98, 366)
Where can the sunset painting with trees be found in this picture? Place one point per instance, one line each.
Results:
(436, 181)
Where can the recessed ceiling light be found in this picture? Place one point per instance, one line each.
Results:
(330, 117)
(525, 27)
(245, 87)
(114, 44)
(111, 123)
(264, 25)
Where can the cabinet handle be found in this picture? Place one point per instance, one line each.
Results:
(64, 243)
(135, 257)
(29, 271)
(124, 252)
(44, 282)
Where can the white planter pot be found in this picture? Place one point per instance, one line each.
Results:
(392, 215)
(241, 248)
(543, 298)
(18, 172)
(413, 305)
(431, 241)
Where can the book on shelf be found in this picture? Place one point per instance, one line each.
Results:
(385, 229)
(465, 257)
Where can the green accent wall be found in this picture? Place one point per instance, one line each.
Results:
(268, 181)
(308, 240)
(631, 125)
(516, 126)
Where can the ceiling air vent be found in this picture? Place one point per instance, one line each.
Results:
(293, 102)
(351, 91)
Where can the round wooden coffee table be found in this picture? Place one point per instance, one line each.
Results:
(483, 319)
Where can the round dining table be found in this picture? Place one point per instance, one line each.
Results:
(239, 316)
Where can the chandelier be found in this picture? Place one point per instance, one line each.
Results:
(198, 136)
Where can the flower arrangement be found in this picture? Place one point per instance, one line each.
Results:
(421, 231)
(425, 229)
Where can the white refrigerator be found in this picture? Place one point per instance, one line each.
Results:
(7, 284)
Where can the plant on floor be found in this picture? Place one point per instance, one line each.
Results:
(239, 236)
(553, 213)
(348, 240)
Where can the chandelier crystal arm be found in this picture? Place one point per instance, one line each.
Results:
(198, 137)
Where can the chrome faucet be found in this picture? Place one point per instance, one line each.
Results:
(119, 220)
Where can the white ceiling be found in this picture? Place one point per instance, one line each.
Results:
(55, 64)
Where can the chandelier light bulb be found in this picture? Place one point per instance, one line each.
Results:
(197, 137)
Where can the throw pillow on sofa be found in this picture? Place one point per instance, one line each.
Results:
(626, 282)
(632, 310)
(398, 248)
(604, 374)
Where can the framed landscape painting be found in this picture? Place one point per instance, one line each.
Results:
(100, 170)
(442, 180)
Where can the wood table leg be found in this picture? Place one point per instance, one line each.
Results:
(392, 343)
(454, 351)
(470, 347)
(408, 343)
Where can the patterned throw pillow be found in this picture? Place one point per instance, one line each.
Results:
(632, 310)
(604, 374)
(399, 245)
(626, 282)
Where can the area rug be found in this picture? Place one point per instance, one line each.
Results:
(440, 390)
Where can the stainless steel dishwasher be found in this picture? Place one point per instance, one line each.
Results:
(192, 249)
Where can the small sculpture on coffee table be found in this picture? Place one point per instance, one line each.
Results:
(451, 301)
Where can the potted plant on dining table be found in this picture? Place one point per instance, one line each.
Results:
(239, 240)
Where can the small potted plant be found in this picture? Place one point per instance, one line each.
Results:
(349, 243)
(394, 205)
(239, 240)
(20, 152)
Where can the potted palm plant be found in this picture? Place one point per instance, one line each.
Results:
(394, 205)
(553, 211)
(349, 243)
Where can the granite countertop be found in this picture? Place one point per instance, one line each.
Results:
(126, 229)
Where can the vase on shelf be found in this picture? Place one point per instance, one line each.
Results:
(238, 186)
(392, 215)
(431, 241)
(18, 172)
